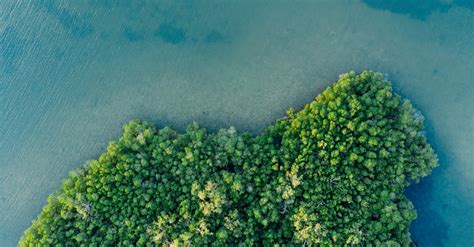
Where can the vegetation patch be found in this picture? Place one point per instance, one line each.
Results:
(333, 173)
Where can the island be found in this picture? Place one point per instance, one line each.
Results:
(332, 173)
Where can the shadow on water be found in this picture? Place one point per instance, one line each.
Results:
(421, 196)
(429, 228)
(417, 9)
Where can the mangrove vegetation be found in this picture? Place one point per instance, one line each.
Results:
(332, 173)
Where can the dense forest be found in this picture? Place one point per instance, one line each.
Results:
(333, 173)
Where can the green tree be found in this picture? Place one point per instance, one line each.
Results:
(332, 173)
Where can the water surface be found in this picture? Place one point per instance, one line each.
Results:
(72, 72)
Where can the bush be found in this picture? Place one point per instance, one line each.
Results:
(332, 173)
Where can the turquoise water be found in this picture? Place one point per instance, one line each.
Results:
(72, 72)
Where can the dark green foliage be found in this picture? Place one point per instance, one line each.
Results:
(332, 173)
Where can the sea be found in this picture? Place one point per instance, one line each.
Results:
(73, 72)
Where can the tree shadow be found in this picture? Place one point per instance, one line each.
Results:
(430, 228)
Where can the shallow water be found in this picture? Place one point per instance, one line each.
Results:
(72, 72)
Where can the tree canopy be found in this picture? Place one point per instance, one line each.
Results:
(333, 173)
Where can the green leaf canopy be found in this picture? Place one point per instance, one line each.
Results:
(333, 173)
